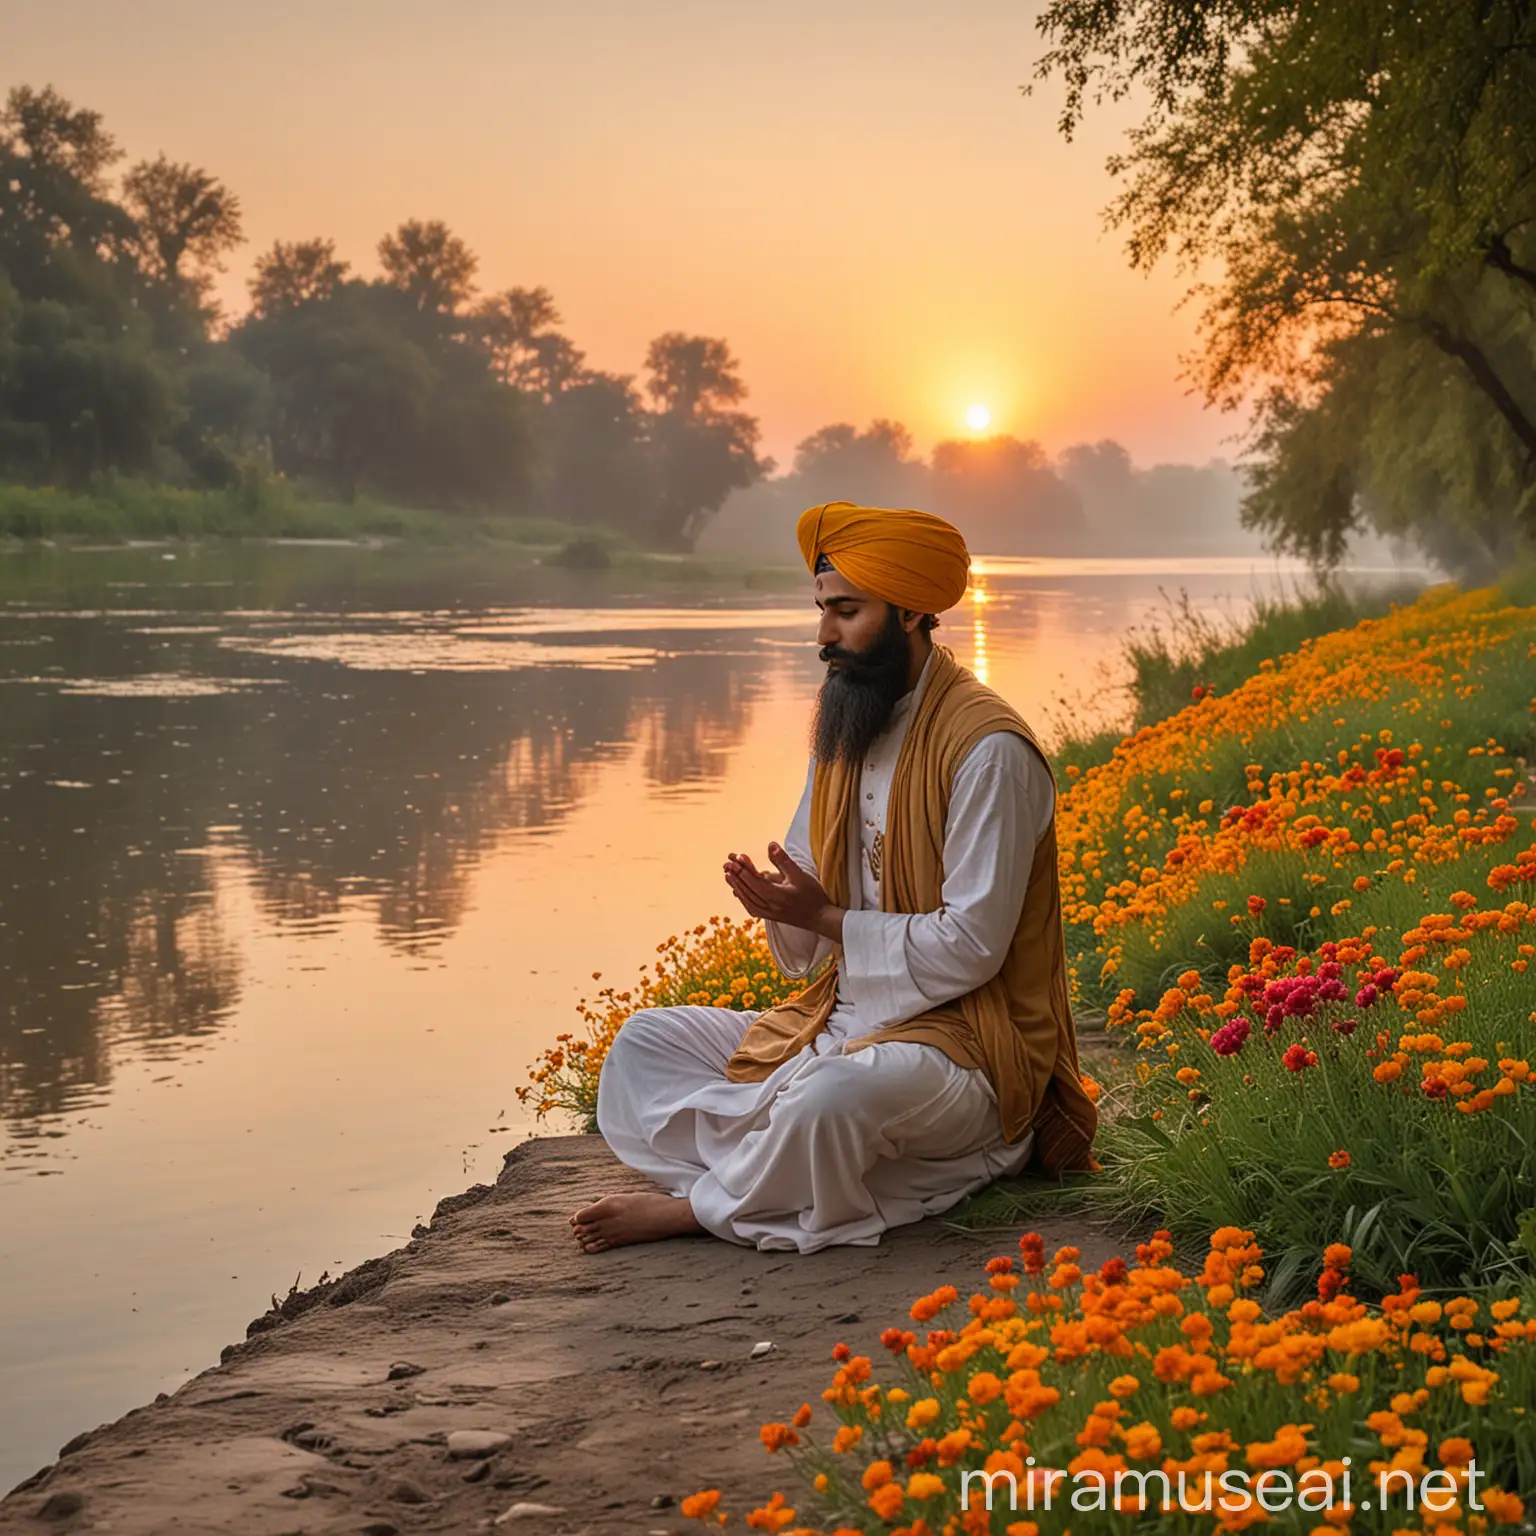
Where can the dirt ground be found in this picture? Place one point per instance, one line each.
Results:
(621, 1381)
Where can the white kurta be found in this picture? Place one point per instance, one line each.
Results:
(835, 1147)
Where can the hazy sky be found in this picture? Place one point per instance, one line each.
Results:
(853, 192)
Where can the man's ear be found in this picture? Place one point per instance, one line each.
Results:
(910, 619)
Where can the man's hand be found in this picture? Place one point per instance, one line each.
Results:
(786, 894)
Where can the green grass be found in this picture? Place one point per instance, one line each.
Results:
(114, 510)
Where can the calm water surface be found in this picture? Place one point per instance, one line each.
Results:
(305, 853)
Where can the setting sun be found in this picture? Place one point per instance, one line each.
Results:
(978, 418)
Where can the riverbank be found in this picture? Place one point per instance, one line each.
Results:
(128, 514)
(604, 1389)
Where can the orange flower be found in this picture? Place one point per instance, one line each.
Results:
(776, 1436)
(772, 1516)
(876, 1475)
(1506, 1508)
(700, 1506)
(983, 1387)
(1337, 1160)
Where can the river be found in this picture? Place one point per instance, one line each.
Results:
(305, 853)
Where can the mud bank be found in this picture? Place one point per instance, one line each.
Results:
(488, 1376)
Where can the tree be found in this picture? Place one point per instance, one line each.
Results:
(367, 395)
(595, 466)
(428, 263)
(295, 272)
(55, 216)
(692, 376)
(840, 463)
(702, 449)
(182, 214)
(1006, 498)
(510, 325)
(95, 399)
(56, 137)
(1363, 181)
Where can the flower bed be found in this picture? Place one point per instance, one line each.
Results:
(1140, 1394)
(1357, 782)
(720, 964)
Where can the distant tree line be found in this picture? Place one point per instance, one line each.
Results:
(1007, 495)
(1352, 190)
(412, 386)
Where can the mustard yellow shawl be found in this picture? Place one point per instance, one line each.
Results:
(1016, 1027)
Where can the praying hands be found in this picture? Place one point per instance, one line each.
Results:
(786, 894)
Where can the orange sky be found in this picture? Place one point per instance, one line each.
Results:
(853, 192)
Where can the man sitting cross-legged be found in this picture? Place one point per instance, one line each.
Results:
(937, 1051)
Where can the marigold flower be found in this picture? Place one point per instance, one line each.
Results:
(1338, 1160)
(772, 1516)
(887, 1499)
(700, 1506)
(1456, 1452)
(983, 1388)
(1506, 1508)
(776, 1436)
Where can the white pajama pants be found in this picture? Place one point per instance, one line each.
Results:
(832, 1148)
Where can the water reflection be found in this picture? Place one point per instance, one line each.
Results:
(136, 758)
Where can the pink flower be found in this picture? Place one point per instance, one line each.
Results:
(1230, 1038)
(1366, 996)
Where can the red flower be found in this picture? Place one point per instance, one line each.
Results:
(1297, 1058)
(1256, 904)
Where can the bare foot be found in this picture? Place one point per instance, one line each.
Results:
(639, 1217)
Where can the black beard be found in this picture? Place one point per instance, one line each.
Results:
(860, 695)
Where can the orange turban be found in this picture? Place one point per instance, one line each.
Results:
(912, 559)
